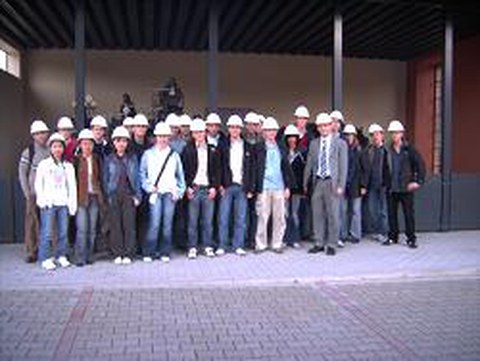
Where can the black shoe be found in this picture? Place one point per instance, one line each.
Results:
(31, 259)
(80, 264)
(388, 242)
(330, 251)
(354, 240)
(412, 244)
(316, 249)
(278, 250)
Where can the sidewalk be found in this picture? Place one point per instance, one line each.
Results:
(367, 303)
(439, 255)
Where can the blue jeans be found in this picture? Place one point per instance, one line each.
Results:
(161, 213)
(234, 197)
(377, 211)
(200, 206)
(86, 222)
(293, 232)
(47, 215)
(351, 217)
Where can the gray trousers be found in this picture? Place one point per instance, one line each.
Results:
(325, 213)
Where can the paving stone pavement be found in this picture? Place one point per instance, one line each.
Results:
(369, 303)
(439, 254)
(417, 320)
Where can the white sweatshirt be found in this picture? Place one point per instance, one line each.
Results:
(55, 185)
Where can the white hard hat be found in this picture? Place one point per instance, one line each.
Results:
(172, 120)
(323, 118)
(302, 112)
(252, 118)
(270, 123)
(234, 121)
(140, 120)
(374, 128)
(86, 134)
(184, 120)
(198, 125)
(162, 128)
(213, 118)
(121, 132)
(291, 130)
(336, 114)
(99, 121)
(56, 137)
(65, 123)
(396, 126)
(38, 126)
(349, 129)
(127, 122)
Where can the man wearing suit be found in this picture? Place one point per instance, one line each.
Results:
(325, 179)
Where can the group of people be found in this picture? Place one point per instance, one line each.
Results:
(192, 185)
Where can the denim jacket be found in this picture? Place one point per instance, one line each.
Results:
(111, 171)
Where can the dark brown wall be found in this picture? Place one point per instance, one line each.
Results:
(13, 137)
(466, 96)
(466, 116)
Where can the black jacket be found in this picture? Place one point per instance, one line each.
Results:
(190, 164)
(412, 168)
(248, 176)
(356, 176)
(298, 168)
(261, 156)
(367, 160)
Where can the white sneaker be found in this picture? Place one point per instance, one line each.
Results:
(147, 259)
(340, 243)
(48, 265)
(240, 252)
(126, 260)
(209, 252)
(63, 262)
(192, 253)
(165, 259)
(296, 245)
(118, 260)
(220, 252)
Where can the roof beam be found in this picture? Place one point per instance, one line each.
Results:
(309, 21)
(244, 24)
(149, 23)
(49, 15)
(295, 22)
(98, 41)
(323, 34)
(188, 24)
(180, 19)
(280, 18)
(356, 33)
(105, 29)
(229, 13)
(17, 34)
(41, 26)
(403, 23)
(198, 25)
(133, 23)
(15, 17)
(114, 12)
(163, 29)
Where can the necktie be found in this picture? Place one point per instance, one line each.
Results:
(323, 158)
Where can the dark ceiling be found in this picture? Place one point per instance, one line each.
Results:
(391, 29)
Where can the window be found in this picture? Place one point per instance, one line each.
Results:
(3, 60)
(437, 134)
(9, 59)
